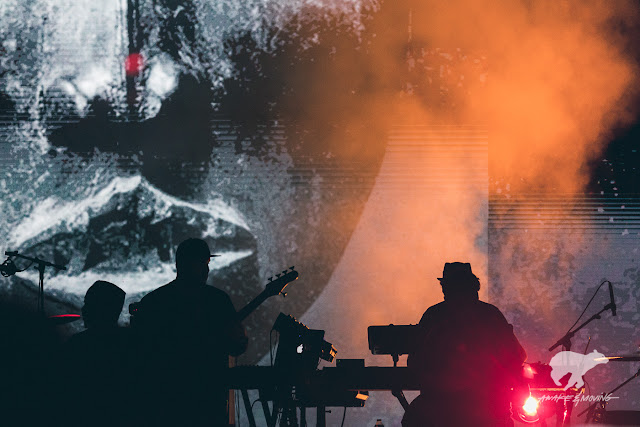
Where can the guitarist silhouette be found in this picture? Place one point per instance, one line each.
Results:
(188, 331)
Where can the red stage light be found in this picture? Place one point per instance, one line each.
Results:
(530, 406)
(134, 64)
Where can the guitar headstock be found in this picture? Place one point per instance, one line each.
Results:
(276, 286)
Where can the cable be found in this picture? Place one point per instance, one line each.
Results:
(25, 269)
(588, 387)
(271, 346)
(344, 415)
(588, 304)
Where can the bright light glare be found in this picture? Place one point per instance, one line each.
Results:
(528, 371)
(530, 406)
(94, 82)
(163, 78)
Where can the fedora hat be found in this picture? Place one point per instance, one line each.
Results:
(457, 272)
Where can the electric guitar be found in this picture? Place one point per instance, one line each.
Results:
(273, 288)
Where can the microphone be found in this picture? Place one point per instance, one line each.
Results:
(8, 268)
(613, 301)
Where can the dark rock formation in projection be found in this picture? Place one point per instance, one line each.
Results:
(126, 233)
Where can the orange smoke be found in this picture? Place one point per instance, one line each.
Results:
(559, 78)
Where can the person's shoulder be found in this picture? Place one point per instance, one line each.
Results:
(218, 298)
(434, 310)
(442, 305)
(437, 306)
(492, 310)
(217, 293)
(489, 307)
(159, 293)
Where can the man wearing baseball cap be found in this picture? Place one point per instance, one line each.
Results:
(468, 358)
(189, 330)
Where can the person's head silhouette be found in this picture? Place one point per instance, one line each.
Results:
(458, 279)
(192, 260)
(102, 305)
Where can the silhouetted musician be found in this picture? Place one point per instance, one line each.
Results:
(189, 330)
(97, 363)
(467, 356)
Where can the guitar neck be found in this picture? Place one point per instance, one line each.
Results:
(274, 287)
(249, 308)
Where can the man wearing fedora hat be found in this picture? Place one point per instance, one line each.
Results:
(468, 358)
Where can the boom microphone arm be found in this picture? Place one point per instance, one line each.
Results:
(9, 268)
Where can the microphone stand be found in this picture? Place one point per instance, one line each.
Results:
(41, 265)
(565, 341)
(591, 409)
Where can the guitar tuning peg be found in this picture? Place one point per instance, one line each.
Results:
(284, 294)
(284, 272)
(278, 275)
(291, 268)
(271, 278)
